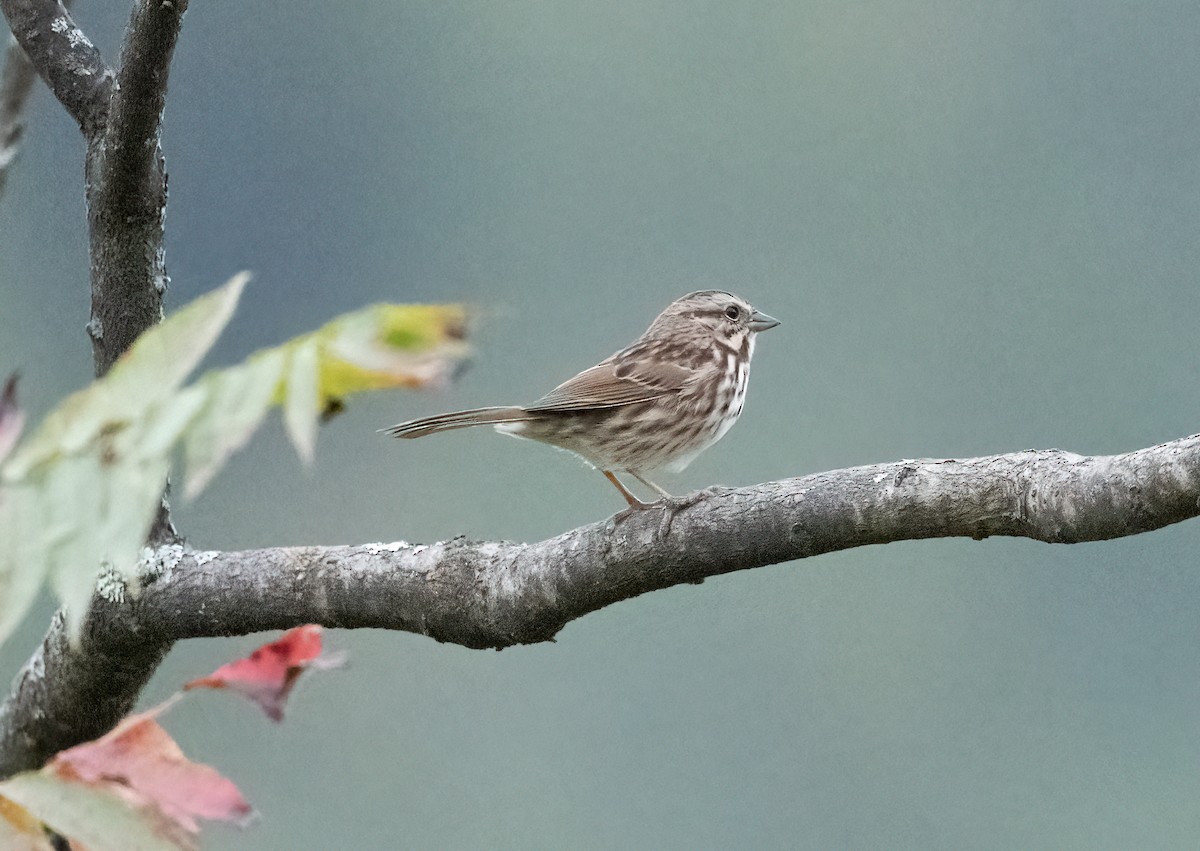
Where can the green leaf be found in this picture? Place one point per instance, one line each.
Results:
(84, 489)
(235, 402)
(100, 516)
(20, 830)
(379, 347)
(95, 817)
(303, 394)
(150, 372)
(23, 565)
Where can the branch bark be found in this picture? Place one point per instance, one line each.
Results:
(64, 57)
(16, 81)
(127, 187)
(120, 115)
(483, 594)
(66, 694)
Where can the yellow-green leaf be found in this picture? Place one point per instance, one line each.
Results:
(300, 411)
(236, 400)
(149, 372)
(93, 816)
(391, 345)
(19, 830)
(23, 564)
(84, 489)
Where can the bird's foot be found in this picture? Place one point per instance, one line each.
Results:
(678, 503)
(636, 506)
(669, 508)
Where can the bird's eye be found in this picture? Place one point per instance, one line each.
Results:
(733, 312)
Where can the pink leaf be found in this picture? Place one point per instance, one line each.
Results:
(268, 674)
(141, 762)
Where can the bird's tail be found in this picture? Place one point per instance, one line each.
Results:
(459, 419)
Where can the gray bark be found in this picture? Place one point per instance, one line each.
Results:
(64, 57)
(494, 594)
(127, 187)
(16, 81)
(66, 695)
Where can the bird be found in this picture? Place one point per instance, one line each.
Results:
(655, 404)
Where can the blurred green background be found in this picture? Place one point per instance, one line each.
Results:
(978, 223)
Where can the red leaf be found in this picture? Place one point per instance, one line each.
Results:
(12, 418)
(140, 761)
(268, 674)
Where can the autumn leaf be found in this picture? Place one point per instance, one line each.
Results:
(141, 756)
(268, 674)
(132, 788)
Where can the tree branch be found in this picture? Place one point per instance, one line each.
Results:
(64, 57)
(125, 173)
(69, 694)
(127, 187)
(497, 594)
(63, 695)
(16, 81)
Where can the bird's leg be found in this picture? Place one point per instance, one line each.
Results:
(650, 485)
(635, 504)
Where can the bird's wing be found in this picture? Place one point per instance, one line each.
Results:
(620, 380)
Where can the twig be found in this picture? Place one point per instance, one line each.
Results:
(16, 81)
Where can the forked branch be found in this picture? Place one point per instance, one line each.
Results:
(72, 694)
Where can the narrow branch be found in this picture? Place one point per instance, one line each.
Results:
(16, 81)
(127, 188)
(64, 57)
(497, 594)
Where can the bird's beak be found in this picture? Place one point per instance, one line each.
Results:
(759, 321)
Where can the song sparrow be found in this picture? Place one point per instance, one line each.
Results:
(659, 402)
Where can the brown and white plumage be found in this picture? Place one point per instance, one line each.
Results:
(657, 403)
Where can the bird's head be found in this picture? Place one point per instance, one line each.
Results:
(712, 314)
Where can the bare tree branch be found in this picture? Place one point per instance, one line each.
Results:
(16, 81)
(67, 694)
(127, 188)
(497, 594)
(126, 177)
(64, 57)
